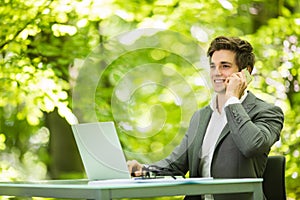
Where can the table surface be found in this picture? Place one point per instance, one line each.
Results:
(130, 189)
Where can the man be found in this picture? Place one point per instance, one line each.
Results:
(231, 137)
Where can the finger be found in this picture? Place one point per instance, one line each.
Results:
(228, 79)
(131, 165)
(134, 168)
(138, 173)
(240, 76)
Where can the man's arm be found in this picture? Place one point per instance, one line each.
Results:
(178, 160)
(257, 134)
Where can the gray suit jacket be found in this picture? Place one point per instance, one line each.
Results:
(242, 148)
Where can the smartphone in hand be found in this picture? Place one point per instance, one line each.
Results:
(248, 76)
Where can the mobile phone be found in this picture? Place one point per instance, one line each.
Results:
(248, 76)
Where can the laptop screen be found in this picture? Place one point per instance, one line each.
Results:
(100, 151)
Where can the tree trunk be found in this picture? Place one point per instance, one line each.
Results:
(65, 159)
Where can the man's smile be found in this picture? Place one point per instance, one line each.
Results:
(219, 80)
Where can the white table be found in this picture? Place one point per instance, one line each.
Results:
(82, 188)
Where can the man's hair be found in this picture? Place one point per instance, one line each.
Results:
(244, 56)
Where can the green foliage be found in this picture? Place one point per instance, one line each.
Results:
(36, 52)
(278, 53)
(44, 44)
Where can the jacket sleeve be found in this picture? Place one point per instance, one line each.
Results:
(256, 132)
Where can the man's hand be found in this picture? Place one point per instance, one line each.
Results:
(135, 168)
(236, 85)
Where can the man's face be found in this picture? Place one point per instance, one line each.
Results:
(222, 65)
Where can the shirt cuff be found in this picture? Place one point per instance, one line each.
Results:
(232, 100)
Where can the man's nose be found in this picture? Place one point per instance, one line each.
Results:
(218, 70)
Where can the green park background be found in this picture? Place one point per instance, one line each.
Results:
(45, 44)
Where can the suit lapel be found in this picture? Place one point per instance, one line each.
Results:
(205, 116)
(224, 132)
(204, 121)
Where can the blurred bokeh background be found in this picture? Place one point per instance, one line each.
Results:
(45, 45)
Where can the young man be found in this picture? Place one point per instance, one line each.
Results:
(231, 137)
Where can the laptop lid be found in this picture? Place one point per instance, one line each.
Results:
(100, 150)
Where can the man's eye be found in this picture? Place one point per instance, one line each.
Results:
(212, 66)
(226, 66)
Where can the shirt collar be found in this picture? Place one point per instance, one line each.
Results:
(213, 102)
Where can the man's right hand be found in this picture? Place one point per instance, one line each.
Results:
(135, 168)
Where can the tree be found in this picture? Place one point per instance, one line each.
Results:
(278, 50)
(39, 42)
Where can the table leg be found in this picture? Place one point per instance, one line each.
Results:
(258, 192)
(102, 195)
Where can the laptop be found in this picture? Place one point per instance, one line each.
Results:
(103, 158)
(100, 150)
